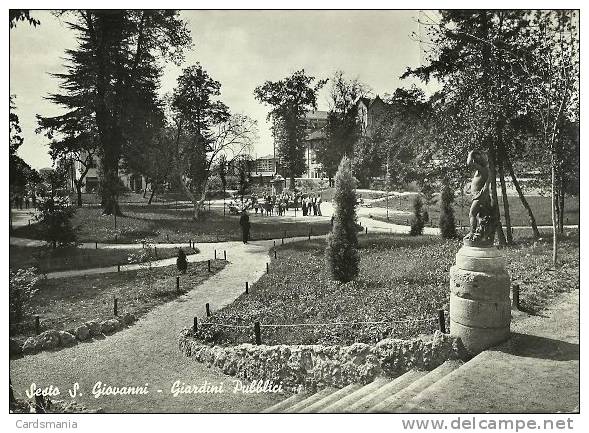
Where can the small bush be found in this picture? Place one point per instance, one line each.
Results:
(342, 243)
(419, 217)
(22, 287)
(55, 214)
(447, 223)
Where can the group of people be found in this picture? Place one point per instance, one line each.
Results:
(268, 204)
(20, 201)
(283, 202)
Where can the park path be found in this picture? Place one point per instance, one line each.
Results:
(147, 352)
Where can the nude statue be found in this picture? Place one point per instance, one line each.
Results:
(481, 215)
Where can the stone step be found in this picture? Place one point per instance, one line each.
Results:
(309, 400)
(331, 398)
(392, 403)
(396, 385)
(348, 400)
(414, 404)
(290, 401)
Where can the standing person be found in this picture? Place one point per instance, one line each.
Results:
(304, 206)
(319, 206)
(244, 222)
(314, 206)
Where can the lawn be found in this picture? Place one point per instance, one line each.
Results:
(64, 303)
(168, 223)
(401, 278)
(47, 259)
(519, 216)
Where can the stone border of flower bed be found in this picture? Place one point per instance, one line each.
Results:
(317, 366)
(53, 339)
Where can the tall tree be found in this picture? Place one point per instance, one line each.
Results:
(204, 131)
(21, 175)
(480, 82)
(343, 129)
(553, 72)
(112, 76)
(289, 99)
(17, 15)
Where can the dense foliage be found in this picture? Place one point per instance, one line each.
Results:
(22, 287)
(342, 253)
(289, 99)
(447, 223)
(419, 218)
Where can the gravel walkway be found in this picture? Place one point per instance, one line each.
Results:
(147, 353)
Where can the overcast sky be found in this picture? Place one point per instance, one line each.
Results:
(241, 49)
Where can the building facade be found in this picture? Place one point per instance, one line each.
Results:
(371, 113)
(316, 134)
(131, 181)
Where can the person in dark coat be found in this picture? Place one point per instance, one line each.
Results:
(244, 222)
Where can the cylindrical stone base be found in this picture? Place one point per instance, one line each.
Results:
(480, 308)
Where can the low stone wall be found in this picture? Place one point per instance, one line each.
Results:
(317, 366)
(53, 339)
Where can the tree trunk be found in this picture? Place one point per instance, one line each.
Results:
(561, 207)
(196, 204)
(78, 186)
(494, 199)
(506, 213)
(554, 229)
(522, 197)
(152, 194)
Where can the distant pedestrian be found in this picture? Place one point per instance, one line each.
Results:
(244, 222)
(319, 206)
(181, 262)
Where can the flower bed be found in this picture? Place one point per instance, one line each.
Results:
(317, 366)
(403, 281)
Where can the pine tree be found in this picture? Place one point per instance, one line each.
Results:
(111, 82)
(341, 253)
(447, 223)
(418, 220)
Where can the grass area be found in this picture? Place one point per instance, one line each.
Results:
(64, 303)
(519, 216)
(93, 199)
(401, 278)
(47, 259)
(168, 223)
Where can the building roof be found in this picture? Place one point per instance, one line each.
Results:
(265, 157)
(369, 101)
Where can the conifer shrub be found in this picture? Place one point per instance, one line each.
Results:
(447, 223)
(419, 217)
(341, 254)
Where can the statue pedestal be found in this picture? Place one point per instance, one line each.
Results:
(480, 308)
